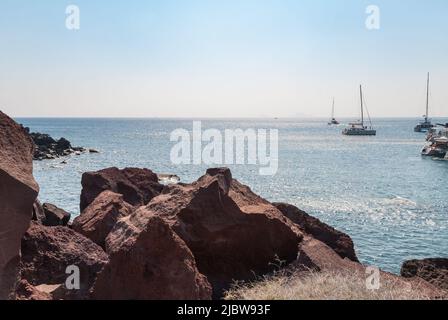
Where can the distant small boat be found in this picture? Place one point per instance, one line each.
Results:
(333, 120)
(358, 128)
(426, 124)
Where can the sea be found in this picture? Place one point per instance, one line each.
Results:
(379, 190)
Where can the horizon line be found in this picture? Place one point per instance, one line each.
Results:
(215, 117)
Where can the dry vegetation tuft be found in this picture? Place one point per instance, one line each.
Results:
(328, 285)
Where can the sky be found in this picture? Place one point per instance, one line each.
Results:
(222, 58)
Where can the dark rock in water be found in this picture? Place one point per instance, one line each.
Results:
(48, 148)
(98, 219)
(55, 216)
(138, 186)
(62, 145)
(18, 191)
(47, 252)
(152, 263)
(41, 139)
(340, 242)
(435, 271)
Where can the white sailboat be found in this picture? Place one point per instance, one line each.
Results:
(358, 128)
(426, 124)
(333, 120)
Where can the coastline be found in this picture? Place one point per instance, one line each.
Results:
(210, 232)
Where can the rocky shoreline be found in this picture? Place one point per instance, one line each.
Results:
(139, 239)
(47, 148)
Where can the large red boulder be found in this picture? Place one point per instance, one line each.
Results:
(232, 233)
(47, 252)
(18, 191)
(434, 271)
(138, 186)
(98, 219)
(150, 263)
(340, 242)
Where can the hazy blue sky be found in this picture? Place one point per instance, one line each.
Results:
(234, 58)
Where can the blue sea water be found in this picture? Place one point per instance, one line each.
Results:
(379, 190)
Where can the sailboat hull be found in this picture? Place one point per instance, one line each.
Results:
(423, 127)
(359, 132)
(435, 152)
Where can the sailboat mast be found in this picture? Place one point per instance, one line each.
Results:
(332, 111)
(427, 99)
(362, 106)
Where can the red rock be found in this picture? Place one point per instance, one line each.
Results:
(98, 219)
(316, 255)
(340, 242)
(151, 263)
(49, 215)
(55, 216)
(232, 233)
(48, 251)
(138, 186)
(435, 271)
(18, 191)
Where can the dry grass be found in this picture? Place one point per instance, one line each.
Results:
(322, 286)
